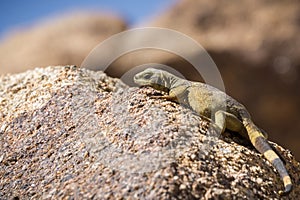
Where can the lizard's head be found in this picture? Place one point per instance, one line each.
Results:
(151, 77)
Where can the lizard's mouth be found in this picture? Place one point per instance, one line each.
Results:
(137, 81)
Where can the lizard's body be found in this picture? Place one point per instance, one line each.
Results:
(210, 102)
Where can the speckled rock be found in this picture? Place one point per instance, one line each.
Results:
(70, 133)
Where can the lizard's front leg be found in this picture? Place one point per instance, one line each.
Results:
(176, 94)
(170, 97)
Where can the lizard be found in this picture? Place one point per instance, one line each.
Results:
(225, 112)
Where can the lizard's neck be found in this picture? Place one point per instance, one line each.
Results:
(170, 81)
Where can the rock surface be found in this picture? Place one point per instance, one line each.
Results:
(72, 133)
(64, 40)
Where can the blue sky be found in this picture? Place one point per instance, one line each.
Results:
(15, 13)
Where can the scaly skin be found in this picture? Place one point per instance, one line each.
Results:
(210, 102)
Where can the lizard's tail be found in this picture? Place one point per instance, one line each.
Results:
(261, 144)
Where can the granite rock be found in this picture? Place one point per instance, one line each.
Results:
(71, 133)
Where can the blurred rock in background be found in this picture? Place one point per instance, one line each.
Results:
(67, 39)
(255, 44)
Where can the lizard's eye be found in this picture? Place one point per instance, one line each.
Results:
(147, 76)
